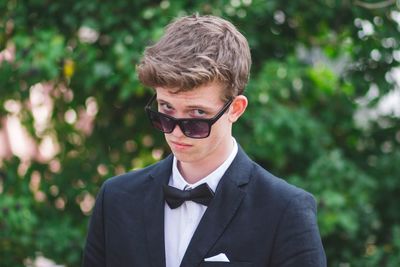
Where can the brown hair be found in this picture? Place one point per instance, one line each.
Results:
(194, 51)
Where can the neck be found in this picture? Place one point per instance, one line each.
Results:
(193, 172)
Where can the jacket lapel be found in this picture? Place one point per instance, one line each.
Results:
(154, 211)
(221, 210)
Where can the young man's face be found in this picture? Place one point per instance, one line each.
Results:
(202, 102)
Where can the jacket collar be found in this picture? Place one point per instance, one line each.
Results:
(228, 197)
(154, 211)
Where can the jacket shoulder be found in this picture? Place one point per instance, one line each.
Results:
(277, 189)
(136, 179)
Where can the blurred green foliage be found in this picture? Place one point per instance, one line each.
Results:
(313, 66)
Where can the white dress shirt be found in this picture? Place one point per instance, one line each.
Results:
(181, 223)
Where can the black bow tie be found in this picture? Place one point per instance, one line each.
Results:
(175, 197)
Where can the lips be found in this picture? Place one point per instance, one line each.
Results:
(179, 145)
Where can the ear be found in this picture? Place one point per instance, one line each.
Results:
(237, 108)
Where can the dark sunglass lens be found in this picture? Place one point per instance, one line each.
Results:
(161, 122)
(195, 129)
(167, 124)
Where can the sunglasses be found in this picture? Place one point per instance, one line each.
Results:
(191, 127)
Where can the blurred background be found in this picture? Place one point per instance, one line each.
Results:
(324, 114)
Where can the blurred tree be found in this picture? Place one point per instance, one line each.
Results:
(316, 117)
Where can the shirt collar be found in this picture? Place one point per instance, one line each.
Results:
(212, 179)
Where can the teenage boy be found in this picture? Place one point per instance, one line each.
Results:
(207, 204)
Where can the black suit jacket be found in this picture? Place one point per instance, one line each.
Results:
(255, 218)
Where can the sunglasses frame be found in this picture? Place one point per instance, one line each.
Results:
(181, 122)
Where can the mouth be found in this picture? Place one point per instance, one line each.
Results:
(179, 145)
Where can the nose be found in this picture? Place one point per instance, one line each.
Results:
(177, 132)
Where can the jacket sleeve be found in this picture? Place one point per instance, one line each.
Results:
(94, 252)
(297, 241)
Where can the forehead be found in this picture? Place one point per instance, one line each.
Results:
(206, 95)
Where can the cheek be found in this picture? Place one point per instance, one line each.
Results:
(220, 128)
(217, 133)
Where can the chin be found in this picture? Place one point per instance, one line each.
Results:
(182, 157)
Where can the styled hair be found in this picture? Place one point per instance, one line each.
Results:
(196, 50)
